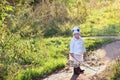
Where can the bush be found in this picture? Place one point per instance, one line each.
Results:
(51, 31)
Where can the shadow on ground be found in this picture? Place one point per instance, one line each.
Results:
(74, 77)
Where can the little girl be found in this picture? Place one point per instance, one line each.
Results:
(77, 50)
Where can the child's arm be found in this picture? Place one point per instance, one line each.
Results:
(71, 49)
(84, 55)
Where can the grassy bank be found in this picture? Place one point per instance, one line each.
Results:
(111, 73)
(35, 58)
(115, 71)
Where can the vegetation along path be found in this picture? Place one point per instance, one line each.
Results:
(95, 63)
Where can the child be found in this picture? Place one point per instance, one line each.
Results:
(77, 50)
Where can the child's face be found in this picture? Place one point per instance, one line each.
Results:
(76, 35)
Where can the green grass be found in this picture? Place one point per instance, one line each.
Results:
(34, 58)
(40, 71)
(93, 44)
(101, 21)
(110, 30)
(58, 50)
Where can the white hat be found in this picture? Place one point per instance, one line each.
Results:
(76, 29)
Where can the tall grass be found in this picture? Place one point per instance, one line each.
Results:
(39, 58)
(116, 71)
(112, 72)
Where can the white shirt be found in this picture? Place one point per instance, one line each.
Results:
(77, 46)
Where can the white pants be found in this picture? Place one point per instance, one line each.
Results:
(77, 60)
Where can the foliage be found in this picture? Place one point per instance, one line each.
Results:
(93, 44)
(36, 57)
(102, 18)
(25, 53)
(34, 18)
(116, 70)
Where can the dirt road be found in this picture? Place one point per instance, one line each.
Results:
(98, 61)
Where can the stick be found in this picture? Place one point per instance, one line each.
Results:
(89, 67)
(86, 65)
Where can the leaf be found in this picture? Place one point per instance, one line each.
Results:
(9, 8)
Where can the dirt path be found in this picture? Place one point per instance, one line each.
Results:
(98, 61)
(115, 37)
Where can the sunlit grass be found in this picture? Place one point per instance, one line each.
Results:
(35, 58)
(40, 71)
